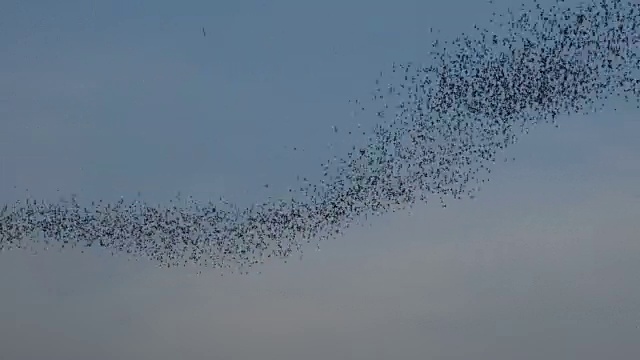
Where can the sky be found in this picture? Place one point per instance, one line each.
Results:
(108, 99)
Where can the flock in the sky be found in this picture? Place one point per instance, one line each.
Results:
(443, 124)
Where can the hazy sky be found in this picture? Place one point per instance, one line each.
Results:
(110, 99)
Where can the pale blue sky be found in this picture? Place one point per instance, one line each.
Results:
(109, 99)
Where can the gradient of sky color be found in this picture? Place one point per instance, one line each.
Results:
(106, 99)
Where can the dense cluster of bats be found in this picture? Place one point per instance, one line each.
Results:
(442, 125)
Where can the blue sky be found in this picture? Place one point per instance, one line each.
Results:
(106, 100)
